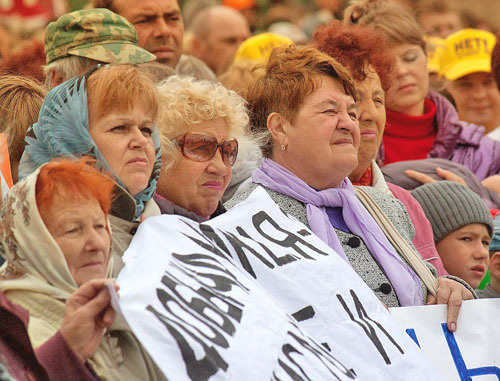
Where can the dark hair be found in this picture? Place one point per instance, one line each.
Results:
(495, 63)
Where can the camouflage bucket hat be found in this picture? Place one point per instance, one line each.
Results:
(98, 34)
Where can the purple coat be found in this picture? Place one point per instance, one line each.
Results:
(462, 142)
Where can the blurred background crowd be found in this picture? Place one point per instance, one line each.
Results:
(23, 22)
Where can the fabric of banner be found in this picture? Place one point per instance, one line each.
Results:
(255, 295)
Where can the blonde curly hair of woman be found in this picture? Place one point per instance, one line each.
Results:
(185, 102)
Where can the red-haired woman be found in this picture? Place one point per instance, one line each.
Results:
(55, 236)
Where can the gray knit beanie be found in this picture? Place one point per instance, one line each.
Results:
(449, 206)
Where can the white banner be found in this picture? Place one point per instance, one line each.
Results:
(200, 316)
(472, 351)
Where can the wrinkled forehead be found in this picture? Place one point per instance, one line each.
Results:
(332, 90)
(370, 85)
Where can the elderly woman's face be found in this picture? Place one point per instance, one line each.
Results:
(409, 80)
(370, 100)
(322, 143)
(79, 228)
(198, 186)
(125, 139)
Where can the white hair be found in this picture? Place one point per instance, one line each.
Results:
(67, 67)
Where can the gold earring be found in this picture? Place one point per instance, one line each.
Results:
(283, 147)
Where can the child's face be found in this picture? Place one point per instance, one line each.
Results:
(464, 253)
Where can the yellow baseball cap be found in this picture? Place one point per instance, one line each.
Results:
(435, 47)
(467, 51)
(259, 47)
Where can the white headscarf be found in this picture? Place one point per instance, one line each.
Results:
(34, 261)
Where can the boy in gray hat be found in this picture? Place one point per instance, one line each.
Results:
(462, 228)
(79, 40)
(492, 289)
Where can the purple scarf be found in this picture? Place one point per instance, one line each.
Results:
(279, 179)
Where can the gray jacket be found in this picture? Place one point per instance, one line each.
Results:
(354, 247)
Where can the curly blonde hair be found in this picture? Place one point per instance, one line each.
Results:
(185, 102)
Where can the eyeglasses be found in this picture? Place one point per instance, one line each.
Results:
(200, 147)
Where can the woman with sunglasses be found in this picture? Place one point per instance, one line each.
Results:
(199, 123)
(109, 114)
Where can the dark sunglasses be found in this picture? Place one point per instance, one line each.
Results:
(200, 147)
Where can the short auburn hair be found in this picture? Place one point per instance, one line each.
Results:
(356, 47)
(73, 180)
(291, 74)
(119, 88)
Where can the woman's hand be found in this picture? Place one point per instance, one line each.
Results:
(451, 293)
(425, 179)
(88, 313)
(492, 183)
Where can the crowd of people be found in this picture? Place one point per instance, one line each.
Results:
(351, 113)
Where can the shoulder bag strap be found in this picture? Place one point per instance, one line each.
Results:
(406, 251)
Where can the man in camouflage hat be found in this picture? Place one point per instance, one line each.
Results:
(158, 23)
(160, 29)
(79, 40)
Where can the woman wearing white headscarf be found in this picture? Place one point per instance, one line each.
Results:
(55, 237)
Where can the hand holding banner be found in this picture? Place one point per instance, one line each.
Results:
(472, 350)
